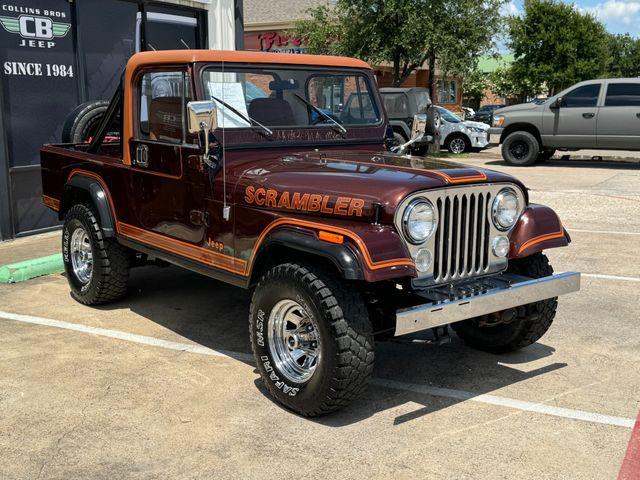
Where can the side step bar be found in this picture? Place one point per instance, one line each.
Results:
(507, 295)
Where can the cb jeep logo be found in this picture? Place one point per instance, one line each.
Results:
(35, 30)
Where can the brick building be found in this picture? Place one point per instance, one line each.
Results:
(266, 25)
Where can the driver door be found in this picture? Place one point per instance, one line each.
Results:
(573, 124)
(167, 185)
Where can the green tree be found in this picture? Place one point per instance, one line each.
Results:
(474, 85)
(625, 56)
(556, 46)
(405, 33)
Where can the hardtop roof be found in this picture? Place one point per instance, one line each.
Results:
(236, 56)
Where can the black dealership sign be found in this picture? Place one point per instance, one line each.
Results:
(38, 74)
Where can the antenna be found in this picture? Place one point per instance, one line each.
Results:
(226, 209)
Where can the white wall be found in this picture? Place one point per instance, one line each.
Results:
(221, 21)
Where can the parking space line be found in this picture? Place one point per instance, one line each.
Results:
(392, 384)
(605, 232)
(610, 277)
(129, 337)
(507, 402)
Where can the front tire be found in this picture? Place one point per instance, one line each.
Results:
(458, 144)
(311, 338)
(97, 267)
(520, 149)
(531, 324)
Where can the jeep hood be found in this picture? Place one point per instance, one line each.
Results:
(375, 178)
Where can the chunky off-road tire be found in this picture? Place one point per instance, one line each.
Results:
(520, 149)
(334, 316)
(83, 122)
(532, 322)
(110, 261)
(457, 144)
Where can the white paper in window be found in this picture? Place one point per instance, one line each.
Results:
(232, 94)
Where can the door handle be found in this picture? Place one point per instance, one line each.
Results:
(588, 115)
(142, 156)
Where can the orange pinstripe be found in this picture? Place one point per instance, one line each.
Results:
(51, 202)
(540, 238)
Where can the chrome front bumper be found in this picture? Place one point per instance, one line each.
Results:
(450, 304)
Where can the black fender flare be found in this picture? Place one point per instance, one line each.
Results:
(341, 255)
(99, 198)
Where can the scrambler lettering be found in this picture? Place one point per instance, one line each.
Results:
(306, 202)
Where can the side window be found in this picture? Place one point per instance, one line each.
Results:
(162, 100)
(623, 95)
(585, 96)
(395, 104)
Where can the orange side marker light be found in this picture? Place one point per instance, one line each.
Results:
(330, 237)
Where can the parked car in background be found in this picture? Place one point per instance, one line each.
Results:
(459, 136)
(468, 112)
(485, 112)
(594, 114)
(401, 105)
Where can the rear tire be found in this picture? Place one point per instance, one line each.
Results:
(97, 267)
(398, 139)
(83, 122)
(311, 338)
(520, 149)
(532, 322)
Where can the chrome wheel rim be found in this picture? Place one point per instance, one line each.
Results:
(294, 341)
(458, 145)
(81, 255)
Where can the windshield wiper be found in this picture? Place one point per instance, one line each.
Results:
(321, 113)
(246, 118)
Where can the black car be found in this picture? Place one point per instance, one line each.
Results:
(485, 112)
(401, 105)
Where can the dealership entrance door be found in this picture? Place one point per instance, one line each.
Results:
(43, 79)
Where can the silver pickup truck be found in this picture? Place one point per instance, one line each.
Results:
(594, 114)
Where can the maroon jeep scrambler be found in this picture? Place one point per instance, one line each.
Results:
(252, 168)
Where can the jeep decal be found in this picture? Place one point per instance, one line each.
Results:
(305, 202)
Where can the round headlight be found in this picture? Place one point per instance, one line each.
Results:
(505, 210)
(419, 221)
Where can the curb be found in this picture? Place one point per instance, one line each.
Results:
(28, 269)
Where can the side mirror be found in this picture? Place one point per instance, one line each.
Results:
(203, 115)
(556, 104)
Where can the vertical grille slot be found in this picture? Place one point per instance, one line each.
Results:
(461, 244)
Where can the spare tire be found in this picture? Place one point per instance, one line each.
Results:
(434, 120)
(83, 122)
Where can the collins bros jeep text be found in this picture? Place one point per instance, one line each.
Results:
(268, 171)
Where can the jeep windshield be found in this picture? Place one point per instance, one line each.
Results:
(282, 97)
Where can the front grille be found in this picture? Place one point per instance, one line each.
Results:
(461, 246)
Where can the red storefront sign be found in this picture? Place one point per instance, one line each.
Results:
(273, 41)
